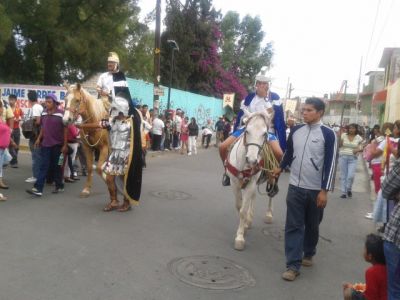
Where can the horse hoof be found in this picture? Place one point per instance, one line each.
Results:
(84, 194)
(239, 245)
(268, 220)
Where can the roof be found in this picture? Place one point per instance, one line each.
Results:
(376, 72)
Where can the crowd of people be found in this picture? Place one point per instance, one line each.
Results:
(174, 131)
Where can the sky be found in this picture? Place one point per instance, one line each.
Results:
(319, 43)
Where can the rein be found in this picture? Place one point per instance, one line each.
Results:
(84, 134)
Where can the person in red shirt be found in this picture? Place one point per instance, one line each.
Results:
(16, 133)
(375, 276)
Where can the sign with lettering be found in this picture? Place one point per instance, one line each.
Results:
(21, 91)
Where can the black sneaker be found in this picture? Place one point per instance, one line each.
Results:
(34, 191)
(349, 194)
(343, 196)
(226, 181)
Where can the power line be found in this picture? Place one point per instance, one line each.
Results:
(372, 33)
(387, 17)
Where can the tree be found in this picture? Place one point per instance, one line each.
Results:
(67, 39)
(140, 49)
(5, 29)
(241, 46)
(195, 27)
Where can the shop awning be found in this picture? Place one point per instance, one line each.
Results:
(379, 97)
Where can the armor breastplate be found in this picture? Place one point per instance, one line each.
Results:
(120, 135)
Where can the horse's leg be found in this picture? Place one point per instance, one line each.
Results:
(238, 194)
(89, 165)
(243, 215)
(102, 158)
(251, 190)
(268, 215)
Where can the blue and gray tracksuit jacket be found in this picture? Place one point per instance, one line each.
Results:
(311, 155)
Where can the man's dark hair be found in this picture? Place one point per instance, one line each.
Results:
(145, 106)
(12, 96)
(374, 247)
(318, 104)
(32, 95)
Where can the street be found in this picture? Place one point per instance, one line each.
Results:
(177, 244)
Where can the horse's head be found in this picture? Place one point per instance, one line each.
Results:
(73, 102)
(255, 135)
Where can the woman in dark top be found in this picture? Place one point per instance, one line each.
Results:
(193, 133)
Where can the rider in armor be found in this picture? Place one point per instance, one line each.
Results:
(124, 164)
(262, 100)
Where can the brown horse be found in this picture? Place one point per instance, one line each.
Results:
(79, 102)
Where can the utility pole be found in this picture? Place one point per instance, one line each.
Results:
(287, 88)
(344, 103)
(290, 90)
(157, 44)
(358, 92)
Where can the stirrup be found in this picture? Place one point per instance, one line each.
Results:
(272, 189)
(226, 181)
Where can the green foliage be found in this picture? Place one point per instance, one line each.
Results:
(241, 46)
(5, 29)
(216, 54)
(48, 41)
(66, 39)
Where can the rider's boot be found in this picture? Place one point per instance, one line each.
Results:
(223, 152)
(226, 181)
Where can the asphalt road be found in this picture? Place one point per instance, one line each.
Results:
(64, 247)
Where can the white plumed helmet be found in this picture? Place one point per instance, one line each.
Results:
(120, 104)
(262, 75)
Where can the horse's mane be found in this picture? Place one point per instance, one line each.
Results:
(95, 107)
(267, 118)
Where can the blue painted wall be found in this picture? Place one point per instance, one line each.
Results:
(200, 107)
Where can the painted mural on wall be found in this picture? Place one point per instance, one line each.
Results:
(201, 107)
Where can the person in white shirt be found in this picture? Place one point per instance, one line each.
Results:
(35, 112)
(206, 134)
(111, 82)
(157, 130)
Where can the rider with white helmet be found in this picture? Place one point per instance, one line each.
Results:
(262, 100)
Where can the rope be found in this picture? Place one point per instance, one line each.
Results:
(270, 161)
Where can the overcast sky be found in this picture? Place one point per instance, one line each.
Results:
(319, 43)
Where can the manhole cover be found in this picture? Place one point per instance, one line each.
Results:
(211, 272)
(276, 233)
(171, 195)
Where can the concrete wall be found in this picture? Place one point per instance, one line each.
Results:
(198, 106)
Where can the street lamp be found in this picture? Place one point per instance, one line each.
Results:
(174, 47)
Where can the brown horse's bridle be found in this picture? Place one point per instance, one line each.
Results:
(76, 109)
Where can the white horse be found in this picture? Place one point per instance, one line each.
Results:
(244, 166)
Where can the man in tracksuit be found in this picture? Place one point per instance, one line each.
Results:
(311, 154)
